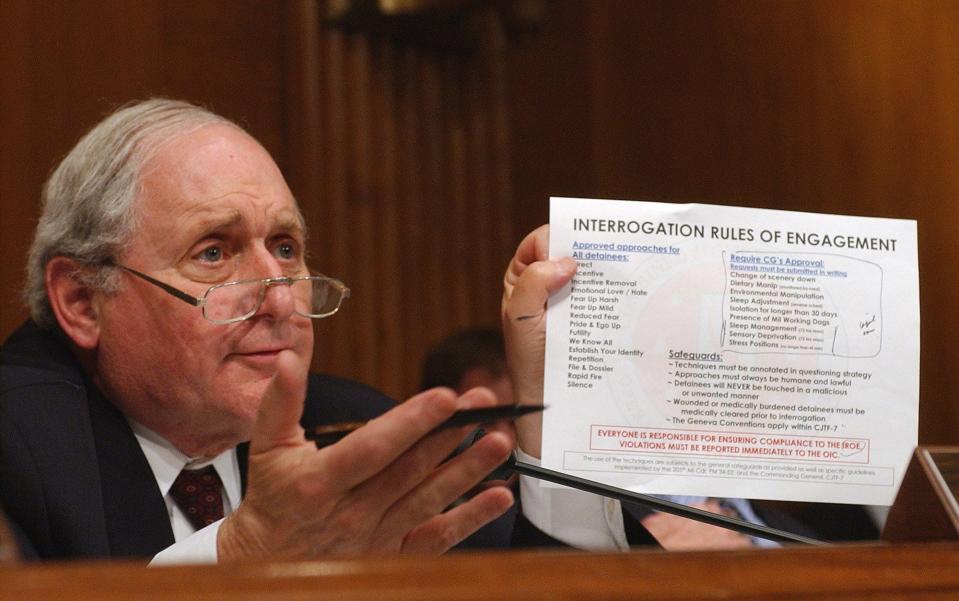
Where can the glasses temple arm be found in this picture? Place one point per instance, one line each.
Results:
(166, 287)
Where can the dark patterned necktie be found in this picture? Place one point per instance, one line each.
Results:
(198, 494)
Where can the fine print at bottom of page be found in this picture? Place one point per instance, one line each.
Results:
(733, 352)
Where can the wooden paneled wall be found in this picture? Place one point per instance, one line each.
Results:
(411, 205)
(397, 155)
(65, 65)
(418, 171)
(837, 106)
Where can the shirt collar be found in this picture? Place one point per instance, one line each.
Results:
(166, 462)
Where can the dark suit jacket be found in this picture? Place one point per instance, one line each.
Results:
(73, 479)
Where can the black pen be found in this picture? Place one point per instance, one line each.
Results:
(327, 435)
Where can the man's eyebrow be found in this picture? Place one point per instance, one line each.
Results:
(208, 226)
(290, 224)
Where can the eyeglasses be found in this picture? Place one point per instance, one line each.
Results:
(314, 296)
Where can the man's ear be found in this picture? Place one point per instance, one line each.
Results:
(73, 302)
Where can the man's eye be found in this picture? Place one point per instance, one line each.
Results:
(211, 254)
(286, 250)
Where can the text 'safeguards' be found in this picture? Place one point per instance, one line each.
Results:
(733, 352)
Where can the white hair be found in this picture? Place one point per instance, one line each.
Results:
(89, 202)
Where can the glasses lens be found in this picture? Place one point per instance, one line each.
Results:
(312, 297)
(317, 296)
(231, 301)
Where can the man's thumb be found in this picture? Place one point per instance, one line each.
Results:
(278, 419)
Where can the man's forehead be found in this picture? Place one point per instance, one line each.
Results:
(216, 177)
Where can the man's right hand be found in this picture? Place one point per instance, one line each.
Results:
(383, 488)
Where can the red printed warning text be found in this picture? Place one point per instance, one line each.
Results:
(728, 444)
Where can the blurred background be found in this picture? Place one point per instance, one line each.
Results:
(423, 138)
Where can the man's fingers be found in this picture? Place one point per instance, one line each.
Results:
(370, 449)
(527, 299)
(676, 533)
(445, 530)
(278, 419)
(446, 484)
(532, 277)
(411, 468)
(533, 248)
(374, 497)
(477, 398)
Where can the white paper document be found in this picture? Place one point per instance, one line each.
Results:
(733, 352)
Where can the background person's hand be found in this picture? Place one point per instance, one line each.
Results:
(529, 281)
(383, 488)
(677, 533)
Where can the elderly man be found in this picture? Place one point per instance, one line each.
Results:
(171, 313)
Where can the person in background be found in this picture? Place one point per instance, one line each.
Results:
(467, 359)
(462, 361)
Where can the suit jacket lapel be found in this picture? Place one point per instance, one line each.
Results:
(136, 516)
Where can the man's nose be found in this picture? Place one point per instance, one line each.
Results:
(277, 296)
(278, 302)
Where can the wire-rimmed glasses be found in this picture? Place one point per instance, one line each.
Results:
(314, 296)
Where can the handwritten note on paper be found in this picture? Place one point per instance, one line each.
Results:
(733, 352)
(814, 308)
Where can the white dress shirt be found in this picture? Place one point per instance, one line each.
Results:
(571, 516)
(166, 461)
